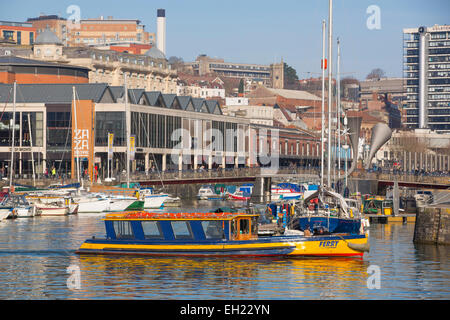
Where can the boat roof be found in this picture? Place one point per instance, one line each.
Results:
(144, 215)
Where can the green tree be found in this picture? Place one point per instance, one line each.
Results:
(241, 86)
(290, 78)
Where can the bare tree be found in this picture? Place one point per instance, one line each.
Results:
(176, 62)
(376, 73)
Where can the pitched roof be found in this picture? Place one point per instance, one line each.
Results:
(213, 107)
(200, 105)
(17, 61)
(53, 93)
(171, 101)
(262, 91)
(134, 95)
(155, 98)
(294, 94)
(186, 103)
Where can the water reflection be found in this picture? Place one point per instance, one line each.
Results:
(35, 254)
(218, 278)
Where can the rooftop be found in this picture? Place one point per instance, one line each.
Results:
(101, 93)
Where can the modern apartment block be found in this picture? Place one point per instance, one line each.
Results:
(426, 67)
(109, 30)
(17, 33)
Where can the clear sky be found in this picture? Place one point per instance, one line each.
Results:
(264, 31)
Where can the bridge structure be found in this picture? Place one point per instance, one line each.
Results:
(262, 178)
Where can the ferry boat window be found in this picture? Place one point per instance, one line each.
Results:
(152, 230)
(244, 226)
(212, 229)
(123, 230)
(234, 228)
(254, 225)
(182, 230)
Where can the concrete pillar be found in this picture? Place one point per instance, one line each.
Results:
(421, 166)
(163, 165)
(147, 164)
(209, 162)
(415, 160)
(195, 161)
(409, 162)
(236, 161)
(223, 162)
(404, 161)
(426, 162)
(180, 162)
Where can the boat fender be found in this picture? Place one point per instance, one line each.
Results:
(362, 247)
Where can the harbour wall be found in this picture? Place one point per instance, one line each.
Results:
(432, 225)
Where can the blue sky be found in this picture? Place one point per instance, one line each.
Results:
(264, 31)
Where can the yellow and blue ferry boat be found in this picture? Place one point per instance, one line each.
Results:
(211, 234)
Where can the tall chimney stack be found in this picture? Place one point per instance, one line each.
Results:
(161, 30)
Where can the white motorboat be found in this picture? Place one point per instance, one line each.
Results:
(5, 212)
(52, 209)
(25, 211)
(93, 205)
(154, 201)
(120, 203)
(207, 192)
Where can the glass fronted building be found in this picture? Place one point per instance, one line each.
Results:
(426, 67)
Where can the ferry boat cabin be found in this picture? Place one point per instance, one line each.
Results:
(184, 228)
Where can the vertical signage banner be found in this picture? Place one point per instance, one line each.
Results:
(83, 135)
(132, 147)
(110, 145)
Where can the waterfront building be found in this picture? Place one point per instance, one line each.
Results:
(18, 33)
(426, 65)
(154, 117)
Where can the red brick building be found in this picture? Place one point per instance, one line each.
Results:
(34, 71)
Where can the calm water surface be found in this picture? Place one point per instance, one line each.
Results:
(36, 252)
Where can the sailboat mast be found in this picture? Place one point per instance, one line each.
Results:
(128, 128)
(31, 146)
(75, 131)
(330, 58)
(323, 104)
(338, 77)
(11, 169)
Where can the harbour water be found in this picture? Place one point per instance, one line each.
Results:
(35, 254)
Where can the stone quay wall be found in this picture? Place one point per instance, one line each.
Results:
(432, 225)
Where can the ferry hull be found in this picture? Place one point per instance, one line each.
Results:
(329, 246)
